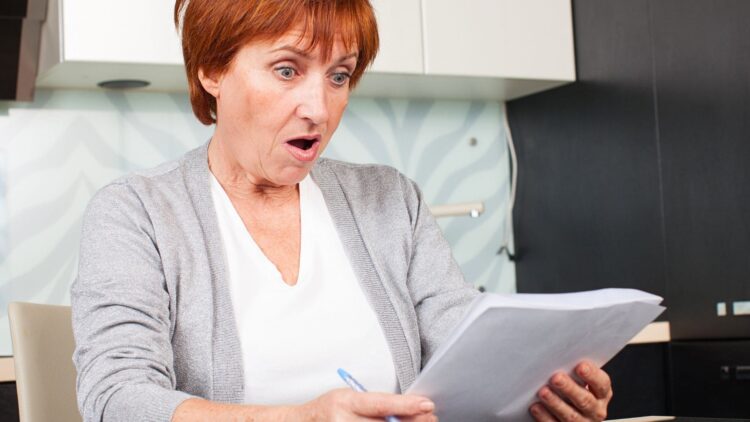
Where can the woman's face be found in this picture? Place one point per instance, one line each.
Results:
(278, 106)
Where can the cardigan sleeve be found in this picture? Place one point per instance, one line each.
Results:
(437, 287)
(121, 315)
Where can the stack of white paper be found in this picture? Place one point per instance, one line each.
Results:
(507, 347)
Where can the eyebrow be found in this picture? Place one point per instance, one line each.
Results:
(306, 55)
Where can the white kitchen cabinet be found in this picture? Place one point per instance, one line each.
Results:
(520, 39)
(400, 27)
(135, 31)
(85, 42)
(485, 49)
(477, 49)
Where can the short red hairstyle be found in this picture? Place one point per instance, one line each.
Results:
(213, 31)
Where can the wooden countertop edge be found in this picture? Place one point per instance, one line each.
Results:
(656, 332)
(7, 371)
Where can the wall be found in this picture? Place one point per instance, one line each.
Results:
(58, 150)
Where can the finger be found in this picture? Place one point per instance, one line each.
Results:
(540, 413)
(558, 407)
(428, 417)
(383, 404)
(580, 397)
(598, 381)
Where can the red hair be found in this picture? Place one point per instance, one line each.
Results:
(213, 31)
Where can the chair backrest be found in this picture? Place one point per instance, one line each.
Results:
(42, 349)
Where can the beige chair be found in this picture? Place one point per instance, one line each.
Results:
(42, 349)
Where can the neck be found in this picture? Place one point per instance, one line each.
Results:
(243, 184)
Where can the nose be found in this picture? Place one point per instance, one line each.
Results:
(313, 102)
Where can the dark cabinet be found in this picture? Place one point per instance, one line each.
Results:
(10, 48)
(8, 402)
(711, 378)
(702, 79)
(639, 381)
(638, 175)
(588, 213)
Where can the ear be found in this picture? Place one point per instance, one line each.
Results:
(210, 82)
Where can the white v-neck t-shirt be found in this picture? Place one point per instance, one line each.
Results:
(294, 338)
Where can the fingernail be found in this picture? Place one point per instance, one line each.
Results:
(558, 381)
(584, 370)
(427, 406)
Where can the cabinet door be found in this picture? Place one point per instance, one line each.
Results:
(137, 37)
(499, 38)
(135, 31)
(710, 378)
(588, 212)
(9, 402)
(701, 64)
(639, 381)
(400, 27)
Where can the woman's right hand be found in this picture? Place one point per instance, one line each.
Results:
(347, 405)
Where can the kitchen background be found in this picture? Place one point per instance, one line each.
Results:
(56, 151)
(428, 107)
(632, 174)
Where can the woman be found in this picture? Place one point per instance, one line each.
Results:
(232, 283)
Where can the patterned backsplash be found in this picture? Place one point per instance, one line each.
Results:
(58, 150)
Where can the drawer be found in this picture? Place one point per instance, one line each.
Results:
(710, 378)
(639, 381)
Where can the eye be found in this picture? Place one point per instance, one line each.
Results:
(285, 72)
(340, 78)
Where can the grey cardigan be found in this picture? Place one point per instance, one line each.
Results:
(152, 314)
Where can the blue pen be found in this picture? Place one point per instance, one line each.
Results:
(351, 382)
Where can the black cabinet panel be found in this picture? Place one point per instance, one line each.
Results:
(8, 402)
(588, 211)
(638, 175)
(10, 48)
(711, 378)
(13, 8)
(639, 381)
(702, 68)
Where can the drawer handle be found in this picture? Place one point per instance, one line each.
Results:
(742, 372)
(741, 308)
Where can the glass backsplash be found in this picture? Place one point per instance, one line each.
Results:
(56, 151)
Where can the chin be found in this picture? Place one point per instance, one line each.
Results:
(292, 176)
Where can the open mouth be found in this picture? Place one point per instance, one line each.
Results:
(305, 148)
(303, 144)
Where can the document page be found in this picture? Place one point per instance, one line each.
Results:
(508, 346)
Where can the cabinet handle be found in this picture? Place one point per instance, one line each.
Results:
(472, 209)
(742, 372)
(741, 308)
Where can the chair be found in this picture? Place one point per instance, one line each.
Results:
(43, 348)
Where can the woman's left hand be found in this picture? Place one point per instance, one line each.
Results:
(566, 400)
